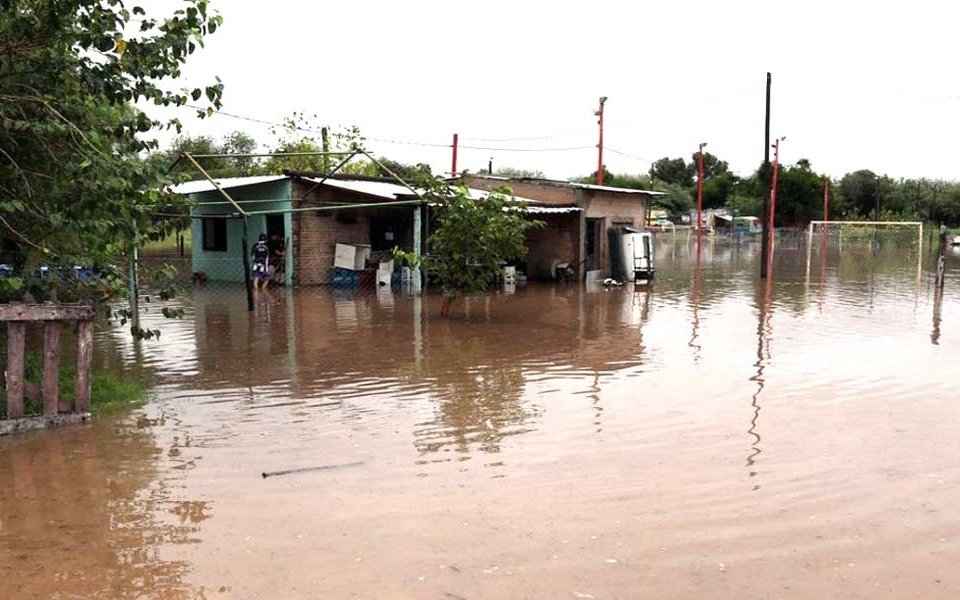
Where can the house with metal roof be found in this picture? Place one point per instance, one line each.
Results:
(603, 208)
(309, 215)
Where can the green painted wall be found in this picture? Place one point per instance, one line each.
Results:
(228, 265)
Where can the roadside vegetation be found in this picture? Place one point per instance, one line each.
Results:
(857, 196)
(108, 392)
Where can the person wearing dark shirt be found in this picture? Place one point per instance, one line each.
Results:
(260, 253)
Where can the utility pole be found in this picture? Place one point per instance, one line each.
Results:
(766, 200)
(826, 199)
(700, 195)
(325, 145)
(599, 114)
(773, 201)
(453, 167)
(876, 209)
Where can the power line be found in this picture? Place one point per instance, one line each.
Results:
(640, 158)
(397, 142)
(515, 139)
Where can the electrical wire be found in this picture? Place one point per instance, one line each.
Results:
(634, 157)
(398, 142)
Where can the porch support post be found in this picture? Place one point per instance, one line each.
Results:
(417, 246)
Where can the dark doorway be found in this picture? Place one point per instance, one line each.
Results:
(387, 233)
(593, 244)
(277, 241)
(275, 228)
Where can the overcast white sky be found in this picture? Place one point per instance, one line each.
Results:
(855, 84)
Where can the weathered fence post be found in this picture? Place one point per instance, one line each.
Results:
(84, 361)
(16, 337)
(56, 411)
(51, 367)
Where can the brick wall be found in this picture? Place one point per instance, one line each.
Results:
(556, 240)
(532, 190)
(316, 234)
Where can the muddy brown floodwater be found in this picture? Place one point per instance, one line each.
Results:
(709, 437)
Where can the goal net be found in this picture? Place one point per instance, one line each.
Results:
(900, 238)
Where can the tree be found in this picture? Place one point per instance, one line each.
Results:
(239, 142)
(299, 135)
(712, 166)
(471, 238)
(75, 190)
(515, 173)
(673, 170)
(860, 189)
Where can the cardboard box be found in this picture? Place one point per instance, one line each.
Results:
(345, 256)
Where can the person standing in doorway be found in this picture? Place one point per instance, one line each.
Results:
(260, 253)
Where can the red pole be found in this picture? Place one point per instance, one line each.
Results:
(453, 168)
(826, 199)
(599, 113)
(773, 201)
(699, 196)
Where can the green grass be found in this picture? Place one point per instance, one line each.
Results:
(168, 245)
(108, 393)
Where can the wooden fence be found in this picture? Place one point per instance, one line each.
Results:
(51, 317)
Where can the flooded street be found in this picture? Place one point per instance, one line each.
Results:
(706, 437)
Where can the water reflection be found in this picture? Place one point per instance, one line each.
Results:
(82, 515)
(695, 301)
(764, 331)
(937, 310)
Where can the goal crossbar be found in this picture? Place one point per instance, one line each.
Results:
(917, 224)
(914, 223)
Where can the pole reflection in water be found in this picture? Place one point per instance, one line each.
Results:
(937, 308)
(695, 301)
(764, 329)
(823, 270)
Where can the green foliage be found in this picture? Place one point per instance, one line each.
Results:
(515, 173)
(75, 189)
(861, 191)
(300, 133)
(672, 170)
(745, 205)
(107, 391)
(472, 238)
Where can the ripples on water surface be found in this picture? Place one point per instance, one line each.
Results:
(708, 437)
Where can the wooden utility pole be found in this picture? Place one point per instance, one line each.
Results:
(325, 145)
(453, 166)
(599, 114)
(766, 170)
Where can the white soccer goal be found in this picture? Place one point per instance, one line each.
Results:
(838, 226)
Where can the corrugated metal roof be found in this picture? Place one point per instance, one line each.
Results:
(203, 185)
(618, 190)
(572, 184)
(379, 189)
(391, 191)
(552, 210)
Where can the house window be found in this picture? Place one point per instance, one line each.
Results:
(214, 235)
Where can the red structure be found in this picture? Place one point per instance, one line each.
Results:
(773, 200)
(700, 195)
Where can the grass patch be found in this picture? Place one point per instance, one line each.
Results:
(108, 393)
(168, 245)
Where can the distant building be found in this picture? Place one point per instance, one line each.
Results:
(284, 210)
(584, 244)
